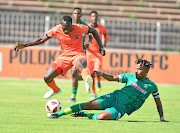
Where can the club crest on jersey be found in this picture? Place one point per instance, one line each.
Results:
(76, 36)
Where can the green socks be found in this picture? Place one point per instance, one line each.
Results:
(72, 109)
(77, 108)
(74, 92)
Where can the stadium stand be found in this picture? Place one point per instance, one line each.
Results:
(131, 24)
(139, 10)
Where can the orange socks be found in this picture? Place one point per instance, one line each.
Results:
(93, 87)
(84, 73)
(53, 86)
(99, 79)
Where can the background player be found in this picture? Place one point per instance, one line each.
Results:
(94, 58)
(127, 100)
(76, 15)
(70, 37)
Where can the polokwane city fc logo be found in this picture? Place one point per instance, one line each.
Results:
(76, 36)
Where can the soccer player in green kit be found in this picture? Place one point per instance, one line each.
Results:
(127, 100)
(76, 15)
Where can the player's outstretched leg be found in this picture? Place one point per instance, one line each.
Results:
(93, 90)
(49, 79)
(81, 66)
(72, 109)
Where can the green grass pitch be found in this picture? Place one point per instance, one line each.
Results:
(22, 110)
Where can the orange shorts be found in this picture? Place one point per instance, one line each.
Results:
(94, 61)
(66, 60)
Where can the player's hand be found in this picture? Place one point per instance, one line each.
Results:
(86, 44)
(18, 46)
(103, 52)
(97, 73)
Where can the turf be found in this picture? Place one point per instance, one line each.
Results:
(23, 110)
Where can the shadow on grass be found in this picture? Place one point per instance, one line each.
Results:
(139, 121)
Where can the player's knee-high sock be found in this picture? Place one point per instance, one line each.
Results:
(93, 87)
(53, 86)
(74, 92)
(85, 72)
(72, 109)
(98, 82)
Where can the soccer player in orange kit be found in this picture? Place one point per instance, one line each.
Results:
(76, 15)
(94, 58)
(71, 40)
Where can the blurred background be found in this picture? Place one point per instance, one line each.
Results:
(131, 24)
(137, 25)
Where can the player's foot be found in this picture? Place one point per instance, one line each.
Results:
(52, 115)
(98, 87)
(93, 96)
(88, 83)
(51, 93)
(72, 100)
(78, 114)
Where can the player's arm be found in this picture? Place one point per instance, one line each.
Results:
(87, 43)
(159, 106)
(96, 36)
(106, 37)
(107, 76)
(32, 43)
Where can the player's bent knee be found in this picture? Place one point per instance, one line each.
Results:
(47, 79)
(82, 63)
(103, 117)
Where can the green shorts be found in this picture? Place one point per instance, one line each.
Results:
(108, 103)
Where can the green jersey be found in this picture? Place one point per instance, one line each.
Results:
(132, 96)
(84, 35)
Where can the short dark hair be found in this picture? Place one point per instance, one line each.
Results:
(144, 63)
(67, 19)
(77, 8)
(93, 12)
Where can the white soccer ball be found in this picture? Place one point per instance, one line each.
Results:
(53, 106)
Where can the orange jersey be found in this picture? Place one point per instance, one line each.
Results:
(72, 41)
(101, 30)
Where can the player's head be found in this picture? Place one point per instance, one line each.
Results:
(77, 14)
(93, 17)
(142, 68)
(66, 24)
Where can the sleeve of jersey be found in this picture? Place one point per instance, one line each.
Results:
(123, 78)
(106, 36)
(155, 92)
(50, 33)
